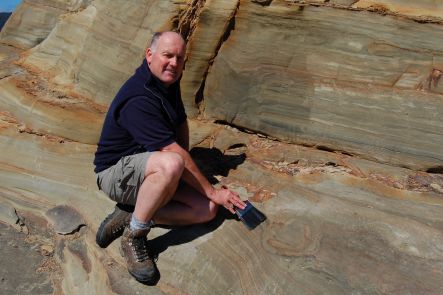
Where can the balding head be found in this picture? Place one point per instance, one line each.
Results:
(158, 35)
(166, 56)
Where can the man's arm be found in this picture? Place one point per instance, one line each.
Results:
(197, 180)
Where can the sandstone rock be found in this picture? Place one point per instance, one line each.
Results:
(64, 219)
(330, 77)
(46, 111)
(95, 50)
(47, 250)
(214, 20)
(32, 21)
(8, 215)
(364, 223)
(421, 9)
(8, 55)
(354, 209)
(18, 274)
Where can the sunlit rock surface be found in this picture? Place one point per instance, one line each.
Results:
(34, 20)
(349, 176)
(355, 81)
(96, 49)
(215, 19)
(422, 9)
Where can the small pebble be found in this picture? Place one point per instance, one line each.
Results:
(437, 187)
(47, 250)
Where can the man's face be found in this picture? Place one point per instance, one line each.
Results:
(167, 60)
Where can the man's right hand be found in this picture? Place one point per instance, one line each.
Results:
(192, 175)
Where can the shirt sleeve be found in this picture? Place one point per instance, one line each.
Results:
(145, 120)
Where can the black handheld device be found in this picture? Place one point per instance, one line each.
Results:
(250, 216)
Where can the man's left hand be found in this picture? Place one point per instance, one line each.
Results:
(228, 199)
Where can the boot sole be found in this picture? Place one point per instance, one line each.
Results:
(98, 237)
(147, 281)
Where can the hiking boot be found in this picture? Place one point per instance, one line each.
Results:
(135, 251)
(112, 227)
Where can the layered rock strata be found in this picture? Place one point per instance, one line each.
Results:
(338, 109)
(359, 82)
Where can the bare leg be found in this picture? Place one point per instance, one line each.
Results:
(187, 206)
(162, 173)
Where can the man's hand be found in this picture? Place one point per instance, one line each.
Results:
(228, 199)
(197, 180)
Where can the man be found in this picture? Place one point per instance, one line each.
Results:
(142, 159)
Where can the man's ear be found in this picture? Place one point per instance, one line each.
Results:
(148, 55)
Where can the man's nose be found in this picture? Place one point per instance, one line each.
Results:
(173, 61)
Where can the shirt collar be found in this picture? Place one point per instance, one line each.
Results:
(152, 80)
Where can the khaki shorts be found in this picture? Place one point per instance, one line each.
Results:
(122, 181)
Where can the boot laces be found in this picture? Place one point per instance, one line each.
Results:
(116, 227)
(140, 249)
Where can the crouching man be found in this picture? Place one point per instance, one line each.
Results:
(142, 159)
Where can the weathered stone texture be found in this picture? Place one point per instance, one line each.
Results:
(359, 82)
(423, 10)
(214, 21)
(43, 111)
(336, 224)
(413, 8)
(352, 210)
(32, 21)
(95, 50)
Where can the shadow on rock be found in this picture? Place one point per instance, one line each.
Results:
(211, 162)
(185, 234)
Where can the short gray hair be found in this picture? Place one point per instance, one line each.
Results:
(156, 37)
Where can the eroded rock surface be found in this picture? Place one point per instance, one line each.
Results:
(360, 82)
(18, 256)
(64, 219)
(349, 176)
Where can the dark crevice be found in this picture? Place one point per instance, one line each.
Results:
(262, 2)
(236, 146)
(187, 19)
(270, 137)
(435, 170)
(325, 148)
(230, 27)
(199, 97)
(333, 150)
(6, 76)
(244, 129)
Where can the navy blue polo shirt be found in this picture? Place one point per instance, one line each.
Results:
(143, 116)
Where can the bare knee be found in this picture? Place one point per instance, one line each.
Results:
(172, 164)
(207, 213)
(213, 209)
(169, 164)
